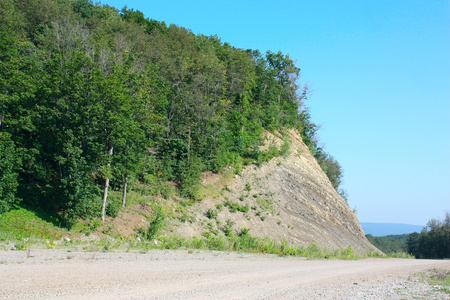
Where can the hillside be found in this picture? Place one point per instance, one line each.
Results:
(288, 198)
(102, 108)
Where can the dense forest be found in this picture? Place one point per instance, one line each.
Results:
(93, 98)
(433, 241)
(389, 243)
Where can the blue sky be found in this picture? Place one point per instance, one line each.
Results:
(379, 72)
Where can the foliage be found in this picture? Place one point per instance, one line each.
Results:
(21, 223)
(244, 242)
(390, 243)
(9, 164)
(433, 241)
(330, 166)
(90, 94)
(228, 228)
(211, 214)
(114, 206)
(235, 207)
(156, 224)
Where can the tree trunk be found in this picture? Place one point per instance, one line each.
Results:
(105, 193)
(124, 196)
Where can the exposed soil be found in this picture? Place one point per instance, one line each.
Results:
(289, 197)
(59, 274)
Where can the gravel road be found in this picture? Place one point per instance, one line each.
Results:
(59, 274)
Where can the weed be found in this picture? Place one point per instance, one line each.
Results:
(108, 229)
(87, 226)
(248, 187)
(244, 231)
(22, 244)
(266, 205)
(50, 244)
(211, 214)
(234, 206)
(156, 224)
(228, 228)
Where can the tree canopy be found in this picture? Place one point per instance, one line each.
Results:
(433, 241)
(91, 96)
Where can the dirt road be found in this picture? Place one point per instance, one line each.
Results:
(59, 274)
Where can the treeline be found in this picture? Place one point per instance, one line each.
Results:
(93, 98)
(433, 241)
(389, 243)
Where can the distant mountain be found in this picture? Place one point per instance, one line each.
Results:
(383, 229)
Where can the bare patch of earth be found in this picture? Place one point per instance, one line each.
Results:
(60, 274)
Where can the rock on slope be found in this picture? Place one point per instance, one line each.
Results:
(288, 198)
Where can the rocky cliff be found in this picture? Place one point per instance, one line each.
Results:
(289, 197)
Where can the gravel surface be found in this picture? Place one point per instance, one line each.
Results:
(60, 274)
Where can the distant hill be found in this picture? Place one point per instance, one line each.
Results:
(383, 229)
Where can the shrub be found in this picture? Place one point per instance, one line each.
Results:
(211, 214)
(156, 224)
(113, 207)
(234, 206)
(228, 228)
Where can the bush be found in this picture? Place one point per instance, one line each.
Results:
(211, 214)
(156, 224)
(234, 206)
(228, 228)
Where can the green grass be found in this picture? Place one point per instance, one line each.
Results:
(20, 224)
(245, 242)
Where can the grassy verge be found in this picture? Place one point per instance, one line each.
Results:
(22, 229)
(235, 243)
(251, 244)
(438, 279)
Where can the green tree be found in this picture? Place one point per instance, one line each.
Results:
(433, 241)
(9, 164)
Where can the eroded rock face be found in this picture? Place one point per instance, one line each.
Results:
(288, 198)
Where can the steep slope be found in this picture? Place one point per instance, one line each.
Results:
(288, 198)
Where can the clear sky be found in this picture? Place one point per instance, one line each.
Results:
(380, 76)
